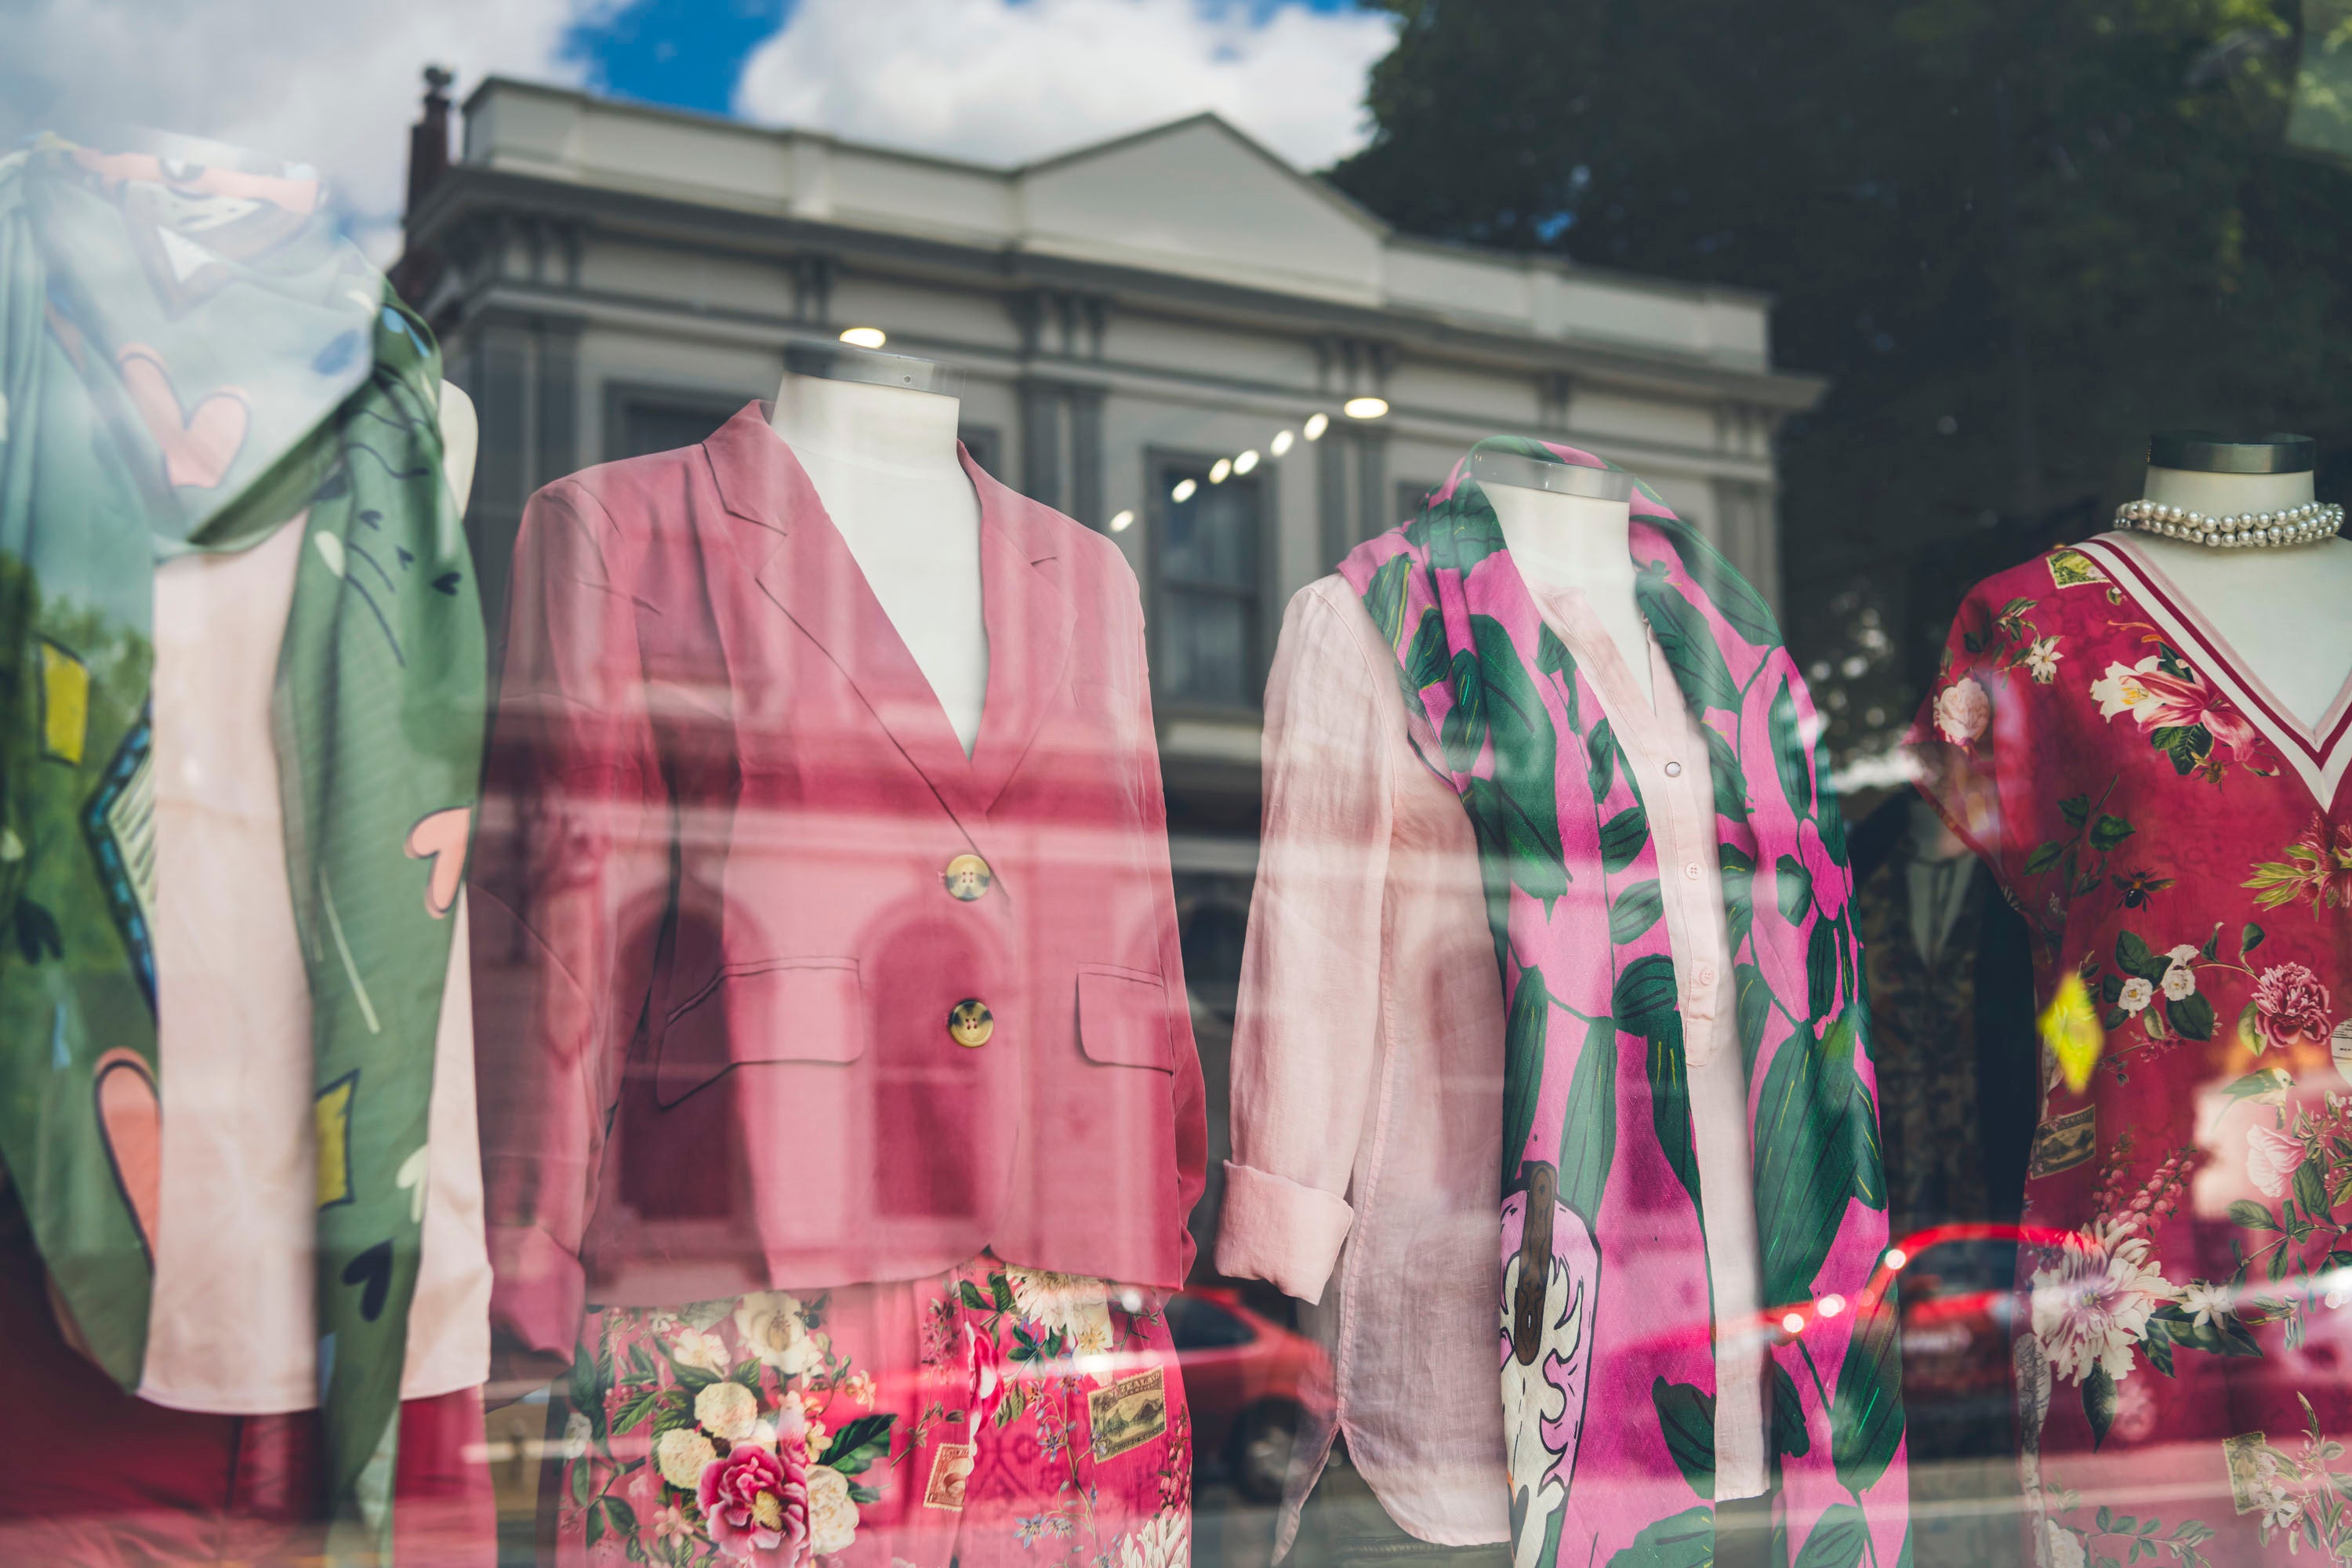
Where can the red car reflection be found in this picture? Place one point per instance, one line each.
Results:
(1245, 1378)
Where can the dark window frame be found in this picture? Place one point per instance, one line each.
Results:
(986, 444)
(622, 396)
(1410, 497)
(1162, 467)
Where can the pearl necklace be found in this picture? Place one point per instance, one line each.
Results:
(2305, 524)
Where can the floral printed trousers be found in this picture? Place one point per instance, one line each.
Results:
(992, 1415)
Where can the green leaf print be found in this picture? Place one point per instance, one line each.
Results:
(1789, 1434)
(1753, 1007)
(1738, 892)
(1808, 1148)
(1683, 636)
(1821, 970)
(1458, 532)
(1687, 1421)
(1670, 1116)
(1588, 1130)
(675, 1410)
(1795, 885)
(972, 1296)
(2248, 1215)
(855, 1447)
(1552, 657)
(2098, 1403)
(1000, 1290)
(1524, 1032)
(2249, 939)
(1687, 1539)
(1384, 596)
(633, 1414)
(1463, 734)
(1788, 758)
(1636, 909)
(1502, 818)
(1426, 664)
(2191, 1017)
(1832, 822)
(2134, 956)
(1527, 759)
(1644, 994)
(2110, 831)
(1622, 836)
(1838, 1539)
(1730, 778)
(1732, 595)
(1866, 1412)
(1600, 750)
(2310, 1190)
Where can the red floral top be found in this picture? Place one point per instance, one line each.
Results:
(2183, 845)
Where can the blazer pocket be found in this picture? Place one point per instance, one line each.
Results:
(801, 1010)
(1123, 1017)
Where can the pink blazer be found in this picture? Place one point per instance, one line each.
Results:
(775, 988)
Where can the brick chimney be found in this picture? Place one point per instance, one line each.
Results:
(428, 139)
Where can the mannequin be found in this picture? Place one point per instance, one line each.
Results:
(461, 436)
(877, 436)
(2280, 610)
(1568, 527)
(218, 619)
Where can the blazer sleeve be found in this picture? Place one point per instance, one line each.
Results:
(1191, 1099)
(564, 923)
(1307, 1029)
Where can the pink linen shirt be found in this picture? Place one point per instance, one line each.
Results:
(1368, 1068)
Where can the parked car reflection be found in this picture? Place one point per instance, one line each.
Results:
(1245, 1378)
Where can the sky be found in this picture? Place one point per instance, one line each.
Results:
(997, 82)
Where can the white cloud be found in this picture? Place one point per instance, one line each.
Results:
(1008, 81)
(334, 85)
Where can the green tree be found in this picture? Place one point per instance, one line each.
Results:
(2017, 236)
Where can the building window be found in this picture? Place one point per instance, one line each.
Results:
(1411, 495)
(1208, 574)
(640, 420)
(986, 444)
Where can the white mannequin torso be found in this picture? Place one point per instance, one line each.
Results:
(1579, 542)
(883, 461)
(2285, 614)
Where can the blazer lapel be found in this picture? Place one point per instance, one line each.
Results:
(813, 577)
(1028, 615)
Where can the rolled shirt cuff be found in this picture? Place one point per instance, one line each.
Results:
(1273, 1228)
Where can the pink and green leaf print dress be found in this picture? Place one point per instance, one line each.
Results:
(1608, 1405)
(2182, 843)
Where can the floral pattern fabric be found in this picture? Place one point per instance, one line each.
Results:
(995, 1415)
(1609, 1411)
(2182, 848)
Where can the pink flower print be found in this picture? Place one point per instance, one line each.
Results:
(755, 1503)
(1962, 711)
(2272, 1160)
(2157, 700)
(2291, 1006)
(983, 1363)
(644, 1491)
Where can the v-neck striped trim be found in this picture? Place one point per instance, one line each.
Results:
(2319, 755)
